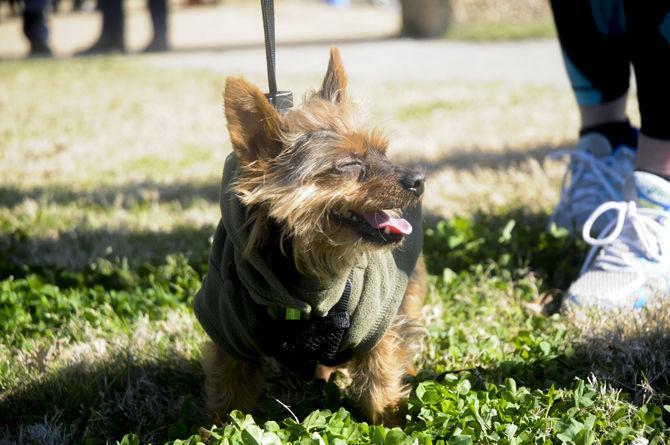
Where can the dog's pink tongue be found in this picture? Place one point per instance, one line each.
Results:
(381, 220)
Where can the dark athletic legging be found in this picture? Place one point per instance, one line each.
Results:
(34, 22)
(113, 19)
(601, 38)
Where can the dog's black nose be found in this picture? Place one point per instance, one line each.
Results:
(413, 181)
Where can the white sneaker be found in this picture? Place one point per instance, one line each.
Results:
(629, 263)
(595, 175)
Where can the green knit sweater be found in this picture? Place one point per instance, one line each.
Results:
(238, 288)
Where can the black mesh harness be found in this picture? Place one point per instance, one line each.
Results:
(301, 345)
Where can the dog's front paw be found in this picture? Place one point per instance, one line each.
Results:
(391, 415)
(229, 383)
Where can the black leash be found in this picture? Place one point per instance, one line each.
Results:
(282, 100)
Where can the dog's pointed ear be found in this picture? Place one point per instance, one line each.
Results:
(253, 123)
(335, 83)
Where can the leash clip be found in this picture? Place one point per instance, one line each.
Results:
(281, 100)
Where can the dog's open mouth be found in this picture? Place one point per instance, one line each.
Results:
(378, 226)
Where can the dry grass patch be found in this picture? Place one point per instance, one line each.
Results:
(516, 11)
(120, 167)
(145, 380)
(629, 349)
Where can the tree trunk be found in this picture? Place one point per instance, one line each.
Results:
(425, 18)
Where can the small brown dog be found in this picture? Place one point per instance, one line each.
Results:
(317, 259)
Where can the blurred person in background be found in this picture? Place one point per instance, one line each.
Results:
(14, 7)
(112, 36)
(617, 189)
(35, 27)
(77, 5)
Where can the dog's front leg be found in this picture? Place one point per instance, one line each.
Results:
(377, 380)
(230, 383)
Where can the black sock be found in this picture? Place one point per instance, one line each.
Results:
(617, 133)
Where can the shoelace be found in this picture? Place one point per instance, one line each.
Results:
(646, 235)
(586, 168)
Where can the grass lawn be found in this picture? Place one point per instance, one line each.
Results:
(109, 172)
(486, 32)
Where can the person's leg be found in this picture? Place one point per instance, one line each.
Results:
(592, 34)
(649, 23)
(35, 28)
(113, 21)
(654, 155)
(604, 113)
(14, 7)
(159, 17)
(629, 264)
(112, 36)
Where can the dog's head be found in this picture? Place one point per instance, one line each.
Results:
(318, 174)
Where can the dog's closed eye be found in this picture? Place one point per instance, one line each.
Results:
(353, 167)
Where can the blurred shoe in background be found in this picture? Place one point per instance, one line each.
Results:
(35, 27)
(595, 175)
(112, 36)
(628, 266)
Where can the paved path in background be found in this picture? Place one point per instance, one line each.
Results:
(396, 60)
(222, 27)
(228, 38)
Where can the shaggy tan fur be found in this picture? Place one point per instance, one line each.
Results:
(377, 378)
(231, 383)
(412, 310)
(326, 124)
(299, 172)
